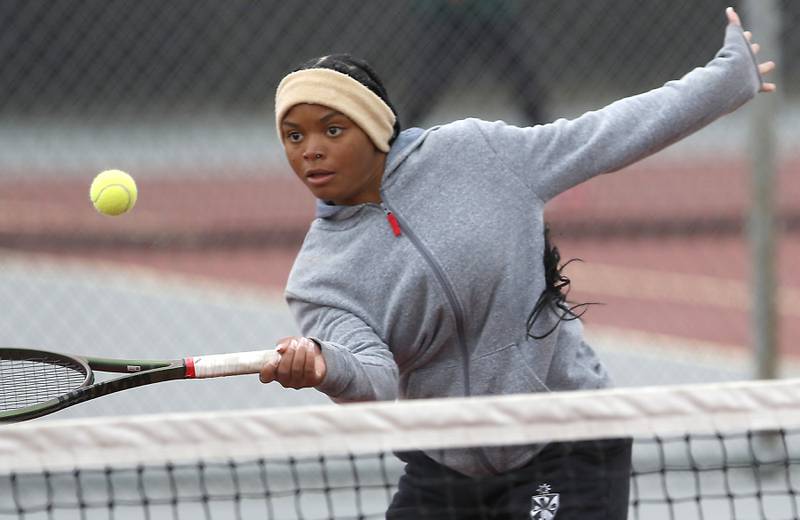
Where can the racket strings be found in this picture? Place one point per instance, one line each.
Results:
(33, 381)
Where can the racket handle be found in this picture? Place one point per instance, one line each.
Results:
(218, 365)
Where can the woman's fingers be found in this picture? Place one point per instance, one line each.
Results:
(768, 87)
(269, 372)
(311, 356)
(766, 68)
(301, 364)
(287, 363)
(299, 377)
(733, 17)
(314, 368)
(763, 68)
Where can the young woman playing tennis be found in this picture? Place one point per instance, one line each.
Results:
(423, 275)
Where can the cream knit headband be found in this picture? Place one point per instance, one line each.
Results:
(339, 92)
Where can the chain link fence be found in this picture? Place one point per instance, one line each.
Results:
(180, 93)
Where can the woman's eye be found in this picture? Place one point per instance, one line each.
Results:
(333, 131)
(295, 137)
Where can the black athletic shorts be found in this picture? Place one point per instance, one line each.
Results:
(566, 481)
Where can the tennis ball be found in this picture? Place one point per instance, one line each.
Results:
(113, 192)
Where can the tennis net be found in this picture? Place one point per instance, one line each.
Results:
(715, 451)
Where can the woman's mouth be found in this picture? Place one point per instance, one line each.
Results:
(319, 177)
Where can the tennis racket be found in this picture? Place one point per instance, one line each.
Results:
(34, 383)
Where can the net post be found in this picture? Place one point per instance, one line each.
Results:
(763, 19)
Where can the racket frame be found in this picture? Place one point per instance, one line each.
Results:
(140, 372)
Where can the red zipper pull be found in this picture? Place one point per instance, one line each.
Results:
(392, 221)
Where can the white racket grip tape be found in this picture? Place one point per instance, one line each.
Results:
(237, 363)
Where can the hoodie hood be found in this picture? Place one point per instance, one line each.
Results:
(406, 142)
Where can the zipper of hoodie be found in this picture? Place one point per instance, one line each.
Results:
(442, 278)
(392, 219)
(450, 294)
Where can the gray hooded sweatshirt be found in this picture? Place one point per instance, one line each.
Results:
(438, 307)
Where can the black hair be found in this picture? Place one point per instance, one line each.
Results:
(359, 70)
(554, 295)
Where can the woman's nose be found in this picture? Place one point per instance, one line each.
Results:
(313, 155)
(314, 151)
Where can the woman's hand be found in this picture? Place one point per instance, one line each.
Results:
(763, 68)
(301, 364)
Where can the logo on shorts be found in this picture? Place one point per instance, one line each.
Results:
(544, 506)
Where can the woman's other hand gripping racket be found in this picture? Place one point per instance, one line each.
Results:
(301, 364)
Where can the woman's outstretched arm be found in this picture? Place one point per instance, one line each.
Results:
(554, 157)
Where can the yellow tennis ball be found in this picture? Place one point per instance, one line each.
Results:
(113, 192)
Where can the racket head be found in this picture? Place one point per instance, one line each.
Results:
(34, 381)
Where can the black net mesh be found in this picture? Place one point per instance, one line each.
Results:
(733, 476)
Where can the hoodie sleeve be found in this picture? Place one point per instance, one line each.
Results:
(555, 157)
(360, 367)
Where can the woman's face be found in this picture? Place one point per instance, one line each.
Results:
(331, 155)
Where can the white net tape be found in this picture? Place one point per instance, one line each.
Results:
(387, 426)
